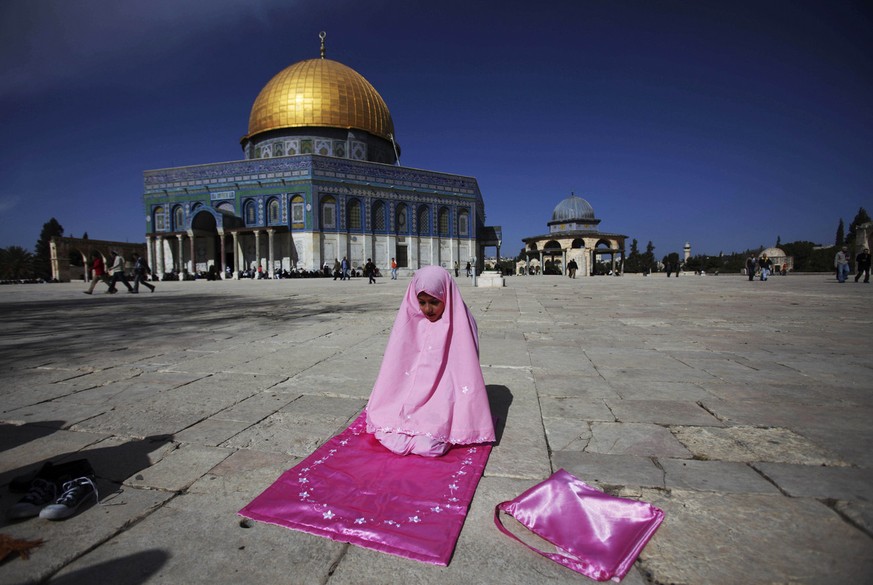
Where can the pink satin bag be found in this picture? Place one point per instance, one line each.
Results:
(595, 534)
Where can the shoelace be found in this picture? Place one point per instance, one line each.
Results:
(40, 491)
(73, 488)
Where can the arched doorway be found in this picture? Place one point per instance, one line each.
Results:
(551, 264)
(205, 243)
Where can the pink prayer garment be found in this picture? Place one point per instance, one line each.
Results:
(430, 393)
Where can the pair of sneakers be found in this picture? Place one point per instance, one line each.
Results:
(56, 493)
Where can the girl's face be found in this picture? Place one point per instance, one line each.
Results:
(432, 307)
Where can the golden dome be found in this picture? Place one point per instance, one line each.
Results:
(320, 92)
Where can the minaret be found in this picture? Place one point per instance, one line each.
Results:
(687, 251)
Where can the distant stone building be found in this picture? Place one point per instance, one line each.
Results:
(781, 261)
(573, 235)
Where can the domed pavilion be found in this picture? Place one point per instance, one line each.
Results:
(320, 179)
(781, 261)
(573, 235)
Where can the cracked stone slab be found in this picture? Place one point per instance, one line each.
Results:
(635, 439)
(748, 444)
(714, 476)
(660, 390)
(662, 412)
(585, 386)
(816, 481)
(179, 468)
(724, 539)
(858, 513)
(610, 470)
(566, 434)
(579, 409)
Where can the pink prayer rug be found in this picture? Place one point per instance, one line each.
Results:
(352, 489)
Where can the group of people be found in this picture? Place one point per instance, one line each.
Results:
(116, 274)
(763, 266)
(862, 265)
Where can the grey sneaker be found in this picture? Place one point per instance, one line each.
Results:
(41, 493)
(75, 494)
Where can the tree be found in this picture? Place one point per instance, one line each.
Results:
(42, 265)
(860, 218)
(840, 234)
(778, 241)
(15, 263)
(649, 257)
(634, 260)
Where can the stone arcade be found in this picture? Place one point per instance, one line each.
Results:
(573, 235)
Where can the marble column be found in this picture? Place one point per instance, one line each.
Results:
(271, 269)
(235, 255)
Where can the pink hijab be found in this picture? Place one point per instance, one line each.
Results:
(430, 382)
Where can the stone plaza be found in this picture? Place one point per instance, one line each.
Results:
(741, 409)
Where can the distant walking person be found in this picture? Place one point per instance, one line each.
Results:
(668, 268)
(766, 264)
(370, 269)
(344, 267)
(98, 273)
(572, 267)
(841, 263)
(457, 268)
(117, 272)
(141, 273)
(750, 267)
(337, 269)
(393, 269)
(862, 265)
(469, 269)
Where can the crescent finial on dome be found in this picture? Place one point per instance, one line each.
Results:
(321, 35)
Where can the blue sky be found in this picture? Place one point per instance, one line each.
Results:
(725, 124)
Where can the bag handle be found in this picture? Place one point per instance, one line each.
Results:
(573, 563)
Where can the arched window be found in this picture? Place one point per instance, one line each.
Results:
(226, 208)
(378, 222)
(159, 220)
(328, 213)
(273, 212)
(444, 222)
(354, 215)
(178, 219)
(297, 206)
(251, 213)
(423, 220)
(463, 224)
(402, 219)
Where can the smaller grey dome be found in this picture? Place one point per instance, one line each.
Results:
(573, 208)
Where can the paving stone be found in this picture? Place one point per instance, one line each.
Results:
(663, 412)
(179, 468)
(634, 439)
(715, 538)
(816, 481)
(714, 476)
(600, 469)
(748, 444)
